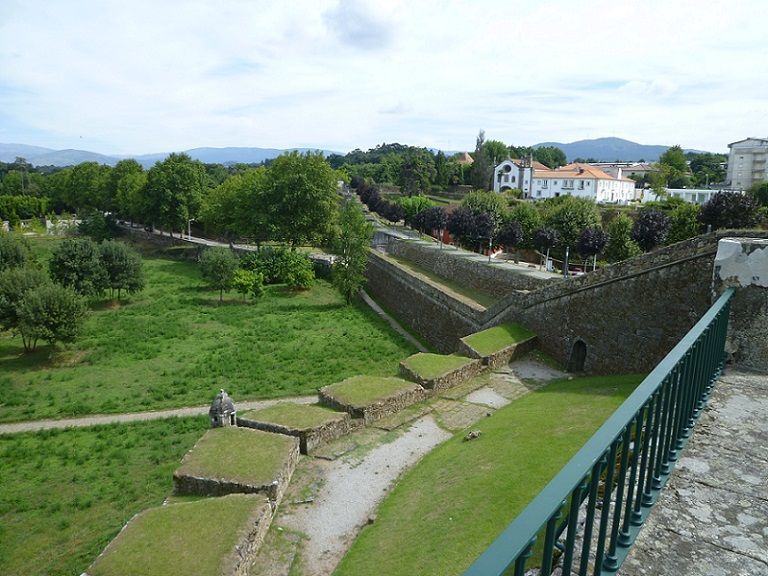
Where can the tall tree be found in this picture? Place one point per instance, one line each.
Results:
(676, 167)
(301, 196)
(76, 263)
(52, 313)
(351, 249)
(174, 191)
(481, 167)
(126, 183)
(591, 243)
(417, 171)
(620, 243)
(123, 266)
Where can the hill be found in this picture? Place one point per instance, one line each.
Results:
(610, 150)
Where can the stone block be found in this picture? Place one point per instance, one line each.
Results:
(392, 396)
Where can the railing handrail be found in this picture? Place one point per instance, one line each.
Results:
(516, 538)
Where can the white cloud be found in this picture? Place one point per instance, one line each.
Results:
(147, 76)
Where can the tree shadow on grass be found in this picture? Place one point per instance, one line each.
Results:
(14, 357)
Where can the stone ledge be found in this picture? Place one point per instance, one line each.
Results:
(448, 379)
(500, 357)
(385, 405)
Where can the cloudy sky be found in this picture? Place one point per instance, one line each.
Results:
(159, 75)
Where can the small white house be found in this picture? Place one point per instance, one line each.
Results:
(516, 174)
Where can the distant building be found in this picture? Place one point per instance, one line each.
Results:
(624, 169)
(692, 195)
(746, 163)
(537, 181)
(464, 158)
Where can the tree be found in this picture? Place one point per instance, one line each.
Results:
(126, 184)
(298, 272)
(707, 168)
(673, 166)
(436, 218)
(412, 205)
(481, 167)
(301, 199)
(759, 191)
(417, 171)
(569, 215)
(237, 207)
(479, 202)
(511, 234)
(592, 242)
(14, 284)
(218, 266)
(650, 229)
(76, 263)
(174, 191)
(351, 249)
(88, 186)
(551, 156)
(124, 268)
(546, 239)
(52, 313)
(620, 243)
(729, 210)
(14, 252)
(97, 225)
(528, 216)
(683, 222)
(248, 282)
(459, 224)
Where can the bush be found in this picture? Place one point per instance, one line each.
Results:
(298, 272)
(77, 264)
(51, 313)
(14, 252)
(248, 282)
(280, 266)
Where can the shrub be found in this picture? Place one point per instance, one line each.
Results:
(620, 245)
(248, 282)
(298, 272)
(51, 313)
(218, 266)
(650, 229)
(14, 252)
(729, 210)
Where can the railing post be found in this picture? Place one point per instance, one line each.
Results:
(611, 561)
(624, 539)
(586, 544)
(573, 522)
(606, 507)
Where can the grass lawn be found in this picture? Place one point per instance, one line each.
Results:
(447, 510)
(430, 366)
(65, 494)
(361, 391)
(173, 345)
(497, 338)
(185, 538)
(483, 298)
(240, 455)
(296, 416)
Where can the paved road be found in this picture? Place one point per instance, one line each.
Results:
(35, 425)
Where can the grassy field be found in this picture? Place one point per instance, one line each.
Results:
(454, 503)
(172, 346)
(65, 494)
(430, 366)
(496, 338)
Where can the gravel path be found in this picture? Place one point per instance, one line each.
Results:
(351, 493)
(35, 425)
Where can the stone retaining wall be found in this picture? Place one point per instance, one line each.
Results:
(241, 559)
(503, 356)
(309, 438)
(188, 485)
(376, 410)
(444, 381)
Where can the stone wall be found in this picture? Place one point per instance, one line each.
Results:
(309, 438)
(444, 381)
(441, 319)
(495, 277)
(501, 357)
(376, 410)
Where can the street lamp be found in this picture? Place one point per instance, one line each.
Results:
(189, 228)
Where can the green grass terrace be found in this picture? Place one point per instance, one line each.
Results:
(452, 505)
(497, 338)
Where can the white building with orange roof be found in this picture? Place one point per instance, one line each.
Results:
(538, 182)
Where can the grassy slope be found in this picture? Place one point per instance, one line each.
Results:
(173, 346)
(198, 535)
(449, 508)
(498, 337)
(65, 494)
(298, 416)
(363, 390)
(239, 454)
(434, 365)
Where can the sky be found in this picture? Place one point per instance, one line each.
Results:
(142, 76)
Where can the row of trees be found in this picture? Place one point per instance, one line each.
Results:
(51, 307)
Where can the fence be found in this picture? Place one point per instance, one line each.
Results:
(589, 515)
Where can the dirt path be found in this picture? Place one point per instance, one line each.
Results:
(35, 425)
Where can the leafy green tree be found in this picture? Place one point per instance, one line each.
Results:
(301, 196)
(298, 272)
(236, 208)
(124, 267)
(417, 171)
(550, 156)
(759, 191)
(707, 168)
(88, 187)
(683, 222)
(569, 215)
(218, 266)
(14, 252)
(174, 191)
(479, 202)
(496, 151)
(482, 170)
(412, 205)
(650, 229)
(351, 249)
(248, 282)
(530, 220)
(126, 184)
(729, 210)
(14, 283)
(620, 243)
(441, 169)
(77, 264)
(97, 225)
(52, 313)
(674, 167)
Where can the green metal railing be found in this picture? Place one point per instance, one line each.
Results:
(589, 515)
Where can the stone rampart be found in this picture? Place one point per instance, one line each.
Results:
(500, 357)
(447, 380)
(309, 438)
(378, 409)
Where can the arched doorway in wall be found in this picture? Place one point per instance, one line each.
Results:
(578, 356)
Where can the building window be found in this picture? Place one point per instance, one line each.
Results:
(581, 184)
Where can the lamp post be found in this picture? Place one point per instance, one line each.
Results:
(189, 228)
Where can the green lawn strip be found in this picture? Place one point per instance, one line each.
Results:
(483, 298)
(496, 338)
(430, 366)
(361, 391)
(297, 416)
(447, 510)
(65, 494)
(242, 455)
(172, 345)
(185, 538)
